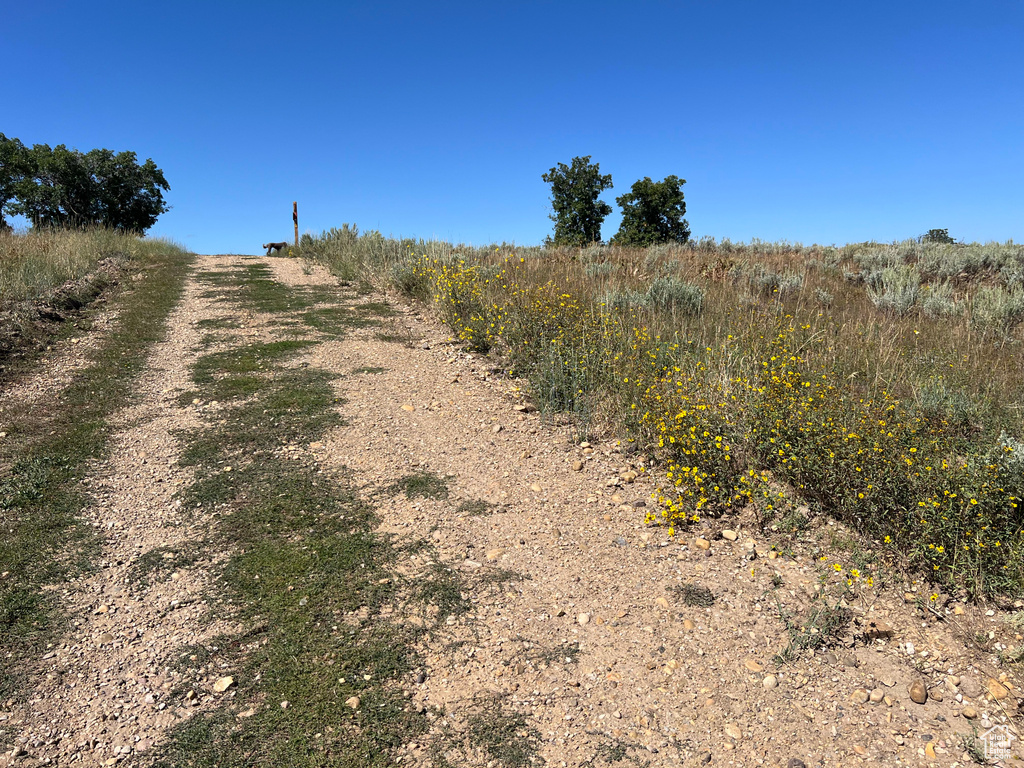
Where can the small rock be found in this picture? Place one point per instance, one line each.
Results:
(929, 750)
(688, 625)
(662, 602)
(887, 679)
(876, 696)
(935, 694)
(583, 618)
(705, 758)
(733, 731)
(969, 712)
(223, 683)
(496, 428)
(918, 691)
(860, 696)
(284, 704)
(702, 544)
(958, 610)
(409, 407)
(796, 762)
(494, 554)
(753, 666)
(577, 466)
(878, 630)
(105, 639)
(996, 690)
(769, 682)
(536, 488)
(353, 702)
(860, 749)
(729, 535)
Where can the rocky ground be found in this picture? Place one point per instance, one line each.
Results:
(617, 643)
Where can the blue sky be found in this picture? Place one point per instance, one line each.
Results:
(806, 121)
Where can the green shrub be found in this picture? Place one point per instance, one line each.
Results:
(895, 289)
(672, 294)
(997, 307)
(937, 300)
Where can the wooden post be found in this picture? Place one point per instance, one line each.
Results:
(295, 218)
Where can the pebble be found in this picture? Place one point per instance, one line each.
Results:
(688, 624)
(223, 683)
(536, 488)
(577, 466)
(969, 712)
(702, 544)
(796, 762)
(860, 696)
(753, 666)
(996, 689)
(583, 618)
(733, 731)
(769, 682)
(876, 696)
(353, 702)
(409, 407)
(494, 554)
(918, 691)
(662, 602)
(729, 535)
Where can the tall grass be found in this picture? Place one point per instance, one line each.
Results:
(34, 263)
(848, 375)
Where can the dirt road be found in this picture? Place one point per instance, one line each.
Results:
(558, 630)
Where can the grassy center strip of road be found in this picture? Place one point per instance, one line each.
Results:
(320, 672)
(317, 672)
(48, 451)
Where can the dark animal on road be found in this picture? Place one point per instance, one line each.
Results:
(276, 247)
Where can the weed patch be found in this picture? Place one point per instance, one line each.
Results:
(694, 595)
(502, 737)
(475, 508)
(421, 485)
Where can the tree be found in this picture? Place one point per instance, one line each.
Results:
(12, 171)
(578, 212)
(652, 212)
(66, 188)
(937, 236)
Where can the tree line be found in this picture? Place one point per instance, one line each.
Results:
(652, 211)
(66, 188)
